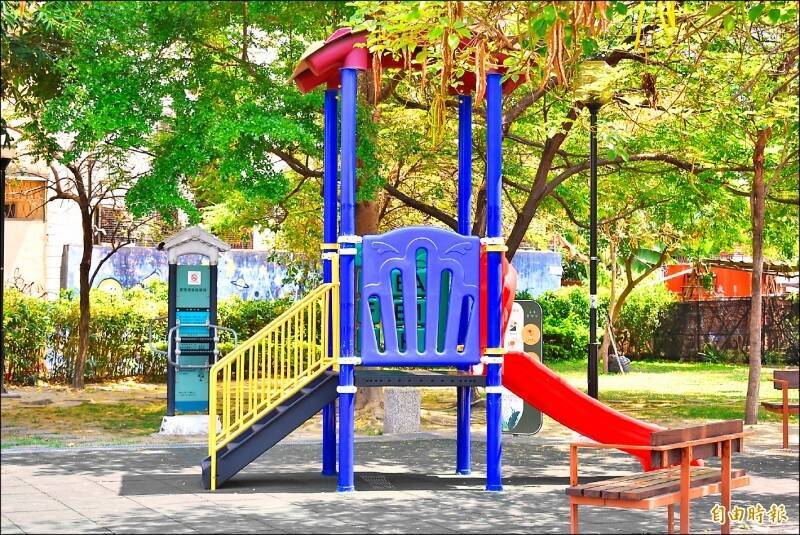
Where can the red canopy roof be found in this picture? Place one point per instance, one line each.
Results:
(321, 61)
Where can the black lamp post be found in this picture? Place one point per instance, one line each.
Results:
(7, 153)
(593, 89)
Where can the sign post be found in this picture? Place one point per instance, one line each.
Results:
(523, 333)
(192, 330)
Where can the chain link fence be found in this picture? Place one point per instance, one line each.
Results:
(691, 330)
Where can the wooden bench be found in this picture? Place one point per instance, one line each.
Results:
(784, 380)
(667, 484)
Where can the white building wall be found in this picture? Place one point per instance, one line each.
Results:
(23, 261)
(63, 221)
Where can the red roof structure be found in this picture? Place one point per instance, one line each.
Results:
(344, 48)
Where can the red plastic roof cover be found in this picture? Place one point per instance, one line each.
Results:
(321, 61)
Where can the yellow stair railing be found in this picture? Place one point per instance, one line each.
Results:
(273, 365)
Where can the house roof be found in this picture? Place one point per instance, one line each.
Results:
(770, 266)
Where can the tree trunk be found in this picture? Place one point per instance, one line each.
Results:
(367, 223)
(757, 199)
(538, 191)
(606, 343)
(83, 288)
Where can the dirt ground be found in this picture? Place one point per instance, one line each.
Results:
(130, 412)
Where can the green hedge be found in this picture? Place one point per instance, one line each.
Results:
(565, 323)
(565, 320)
(119, 331)
(42, 336)
(640, 317)
(27, 325)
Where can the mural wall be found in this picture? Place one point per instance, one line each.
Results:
(261, 275)
(538, 271)
(247, 274)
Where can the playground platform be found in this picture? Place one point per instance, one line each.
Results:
(405, 486)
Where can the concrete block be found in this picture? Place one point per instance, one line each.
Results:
(401, 410)
(186, 424)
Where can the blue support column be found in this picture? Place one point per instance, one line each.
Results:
(464, 164)
(464, 393)
(329, 233)
(349, 79)
(494, 229)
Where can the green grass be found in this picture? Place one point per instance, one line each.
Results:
(16, 442)
(120, 419)
(675, 391)
(669, 393)
(131, 418)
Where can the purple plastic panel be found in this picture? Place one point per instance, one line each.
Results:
(397, 250)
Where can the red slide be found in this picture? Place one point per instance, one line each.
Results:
(570, 407)
(549, 393)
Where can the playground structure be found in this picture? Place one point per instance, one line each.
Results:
(416, 297)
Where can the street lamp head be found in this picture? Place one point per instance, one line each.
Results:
(7, 151)
(594, 82)
(6, 155)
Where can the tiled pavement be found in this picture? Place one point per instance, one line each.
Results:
(404, 486)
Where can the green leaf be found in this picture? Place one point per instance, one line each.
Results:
(754, 12)
(549, 13)
(589, 46)
(453, 40)
(714, 10)
(774, 15)
(539, 27)
(728, 22)
(621, 8)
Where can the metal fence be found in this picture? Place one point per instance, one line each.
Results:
(690, 329)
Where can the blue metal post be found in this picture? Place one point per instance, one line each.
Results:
(349, 79)
(494, 229)
(464, 164)
(329, 233)
(464, 393)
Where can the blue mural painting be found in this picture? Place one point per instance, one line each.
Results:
(259, 274)
(537, 271)
(247, 274)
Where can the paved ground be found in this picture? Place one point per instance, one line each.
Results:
(404, 486)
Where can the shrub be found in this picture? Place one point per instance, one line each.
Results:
(640, 317)
(120, 328)
(248, 317)
(565, 322)
(26, 323)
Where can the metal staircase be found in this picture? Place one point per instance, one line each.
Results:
(272, 383)
(271, 428)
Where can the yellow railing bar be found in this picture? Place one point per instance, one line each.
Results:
(267, 357)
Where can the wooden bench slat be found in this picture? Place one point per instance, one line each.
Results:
(613, 486)
(624, 482)
(778, 406)
(675, 485)
(669, 475)
(607, 482)
(621, 484)
(647, 485)
(659, 477)
(685, 434)
(790, 376)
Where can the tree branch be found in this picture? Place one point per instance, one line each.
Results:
(526, 102)
(296, 165)
(427, 209)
